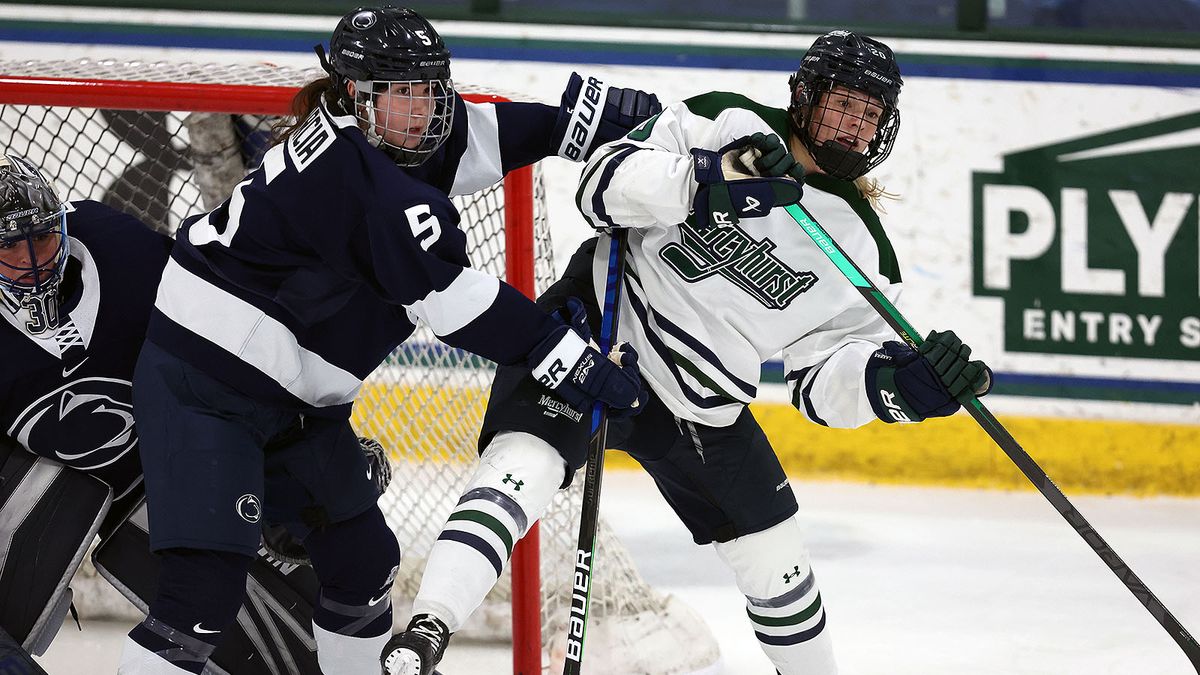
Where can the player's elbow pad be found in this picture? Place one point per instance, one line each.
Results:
(593, 113)
(903, 387)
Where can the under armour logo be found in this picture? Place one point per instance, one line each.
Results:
(508, 478)
(752, 204)
(787, 578)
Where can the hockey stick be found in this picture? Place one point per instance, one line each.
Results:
(1002, 438)
(581, 588)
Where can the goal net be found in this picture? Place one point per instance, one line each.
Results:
(166, 140)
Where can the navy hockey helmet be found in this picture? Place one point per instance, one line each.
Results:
(33, 242)
(865, 74)
(400, 69)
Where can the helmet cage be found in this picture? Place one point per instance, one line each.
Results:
(33, 229)
(407, 119)
(836, 158)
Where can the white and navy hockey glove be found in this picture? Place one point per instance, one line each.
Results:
(575, 370)
(745, 179)
(593, 113)
(906, 385)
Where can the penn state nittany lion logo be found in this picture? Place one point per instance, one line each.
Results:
(85, 424)
(363, 20)
(249, 508)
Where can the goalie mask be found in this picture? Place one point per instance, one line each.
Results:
(843, 105)
(33, 243)
(399, 71)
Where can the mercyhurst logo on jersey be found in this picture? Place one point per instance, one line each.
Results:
(730, 252)
(1094, 244)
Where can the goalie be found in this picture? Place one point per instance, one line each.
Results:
(76, 286)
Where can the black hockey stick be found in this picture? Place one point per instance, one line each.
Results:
(1002, 438)
(581, 586)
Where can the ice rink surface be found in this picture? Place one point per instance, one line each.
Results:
(916, 581)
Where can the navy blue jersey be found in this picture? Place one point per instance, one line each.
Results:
(320, 263)
(66, 394)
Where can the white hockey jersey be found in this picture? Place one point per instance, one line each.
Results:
(705, 309)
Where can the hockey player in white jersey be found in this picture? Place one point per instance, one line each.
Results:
(718, 280)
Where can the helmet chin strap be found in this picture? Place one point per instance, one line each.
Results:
(839, 161)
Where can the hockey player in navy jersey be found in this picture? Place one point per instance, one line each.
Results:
(717, 281)
(276, 305)
(75, 310)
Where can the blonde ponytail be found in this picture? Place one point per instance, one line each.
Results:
(874, 192)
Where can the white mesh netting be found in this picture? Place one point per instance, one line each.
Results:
(424, 404)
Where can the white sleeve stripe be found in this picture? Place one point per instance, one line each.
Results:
(253, 336)
(468, 296)
(480, 164)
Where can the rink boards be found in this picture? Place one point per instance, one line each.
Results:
(440, 423)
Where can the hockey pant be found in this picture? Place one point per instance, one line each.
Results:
(273, 632)
(49, 514)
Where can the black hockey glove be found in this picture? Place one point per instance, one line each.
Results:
(580, 374)
(582, 129)
(961, 377)
(904, 385)
(745, 179)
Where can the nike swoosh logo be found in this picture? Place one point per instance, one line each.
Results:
(67, 371)
(375, 601)
(198, 629)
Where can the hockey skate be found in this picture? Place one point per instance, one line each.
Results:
(418, 649)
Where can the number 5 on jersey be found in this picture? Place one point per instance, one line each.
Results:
(425, 226)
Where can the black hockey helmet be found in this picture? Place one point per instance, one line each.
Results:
(33, 242)
(394, 50)
(857, 62)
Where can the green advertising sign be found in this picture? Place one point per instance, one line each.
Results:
(1094, 243)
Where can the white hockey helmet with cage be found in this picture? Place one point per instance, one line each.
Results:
(400, 71)
(33, 243)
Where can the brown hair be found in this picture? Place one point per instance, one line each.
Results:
(303, 103)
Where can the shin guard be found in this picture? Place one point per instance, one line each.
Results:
(782, 600)
(356, 561)
(517, 476)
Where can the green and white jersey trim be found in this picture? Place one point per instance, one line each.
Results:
(704, 309)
